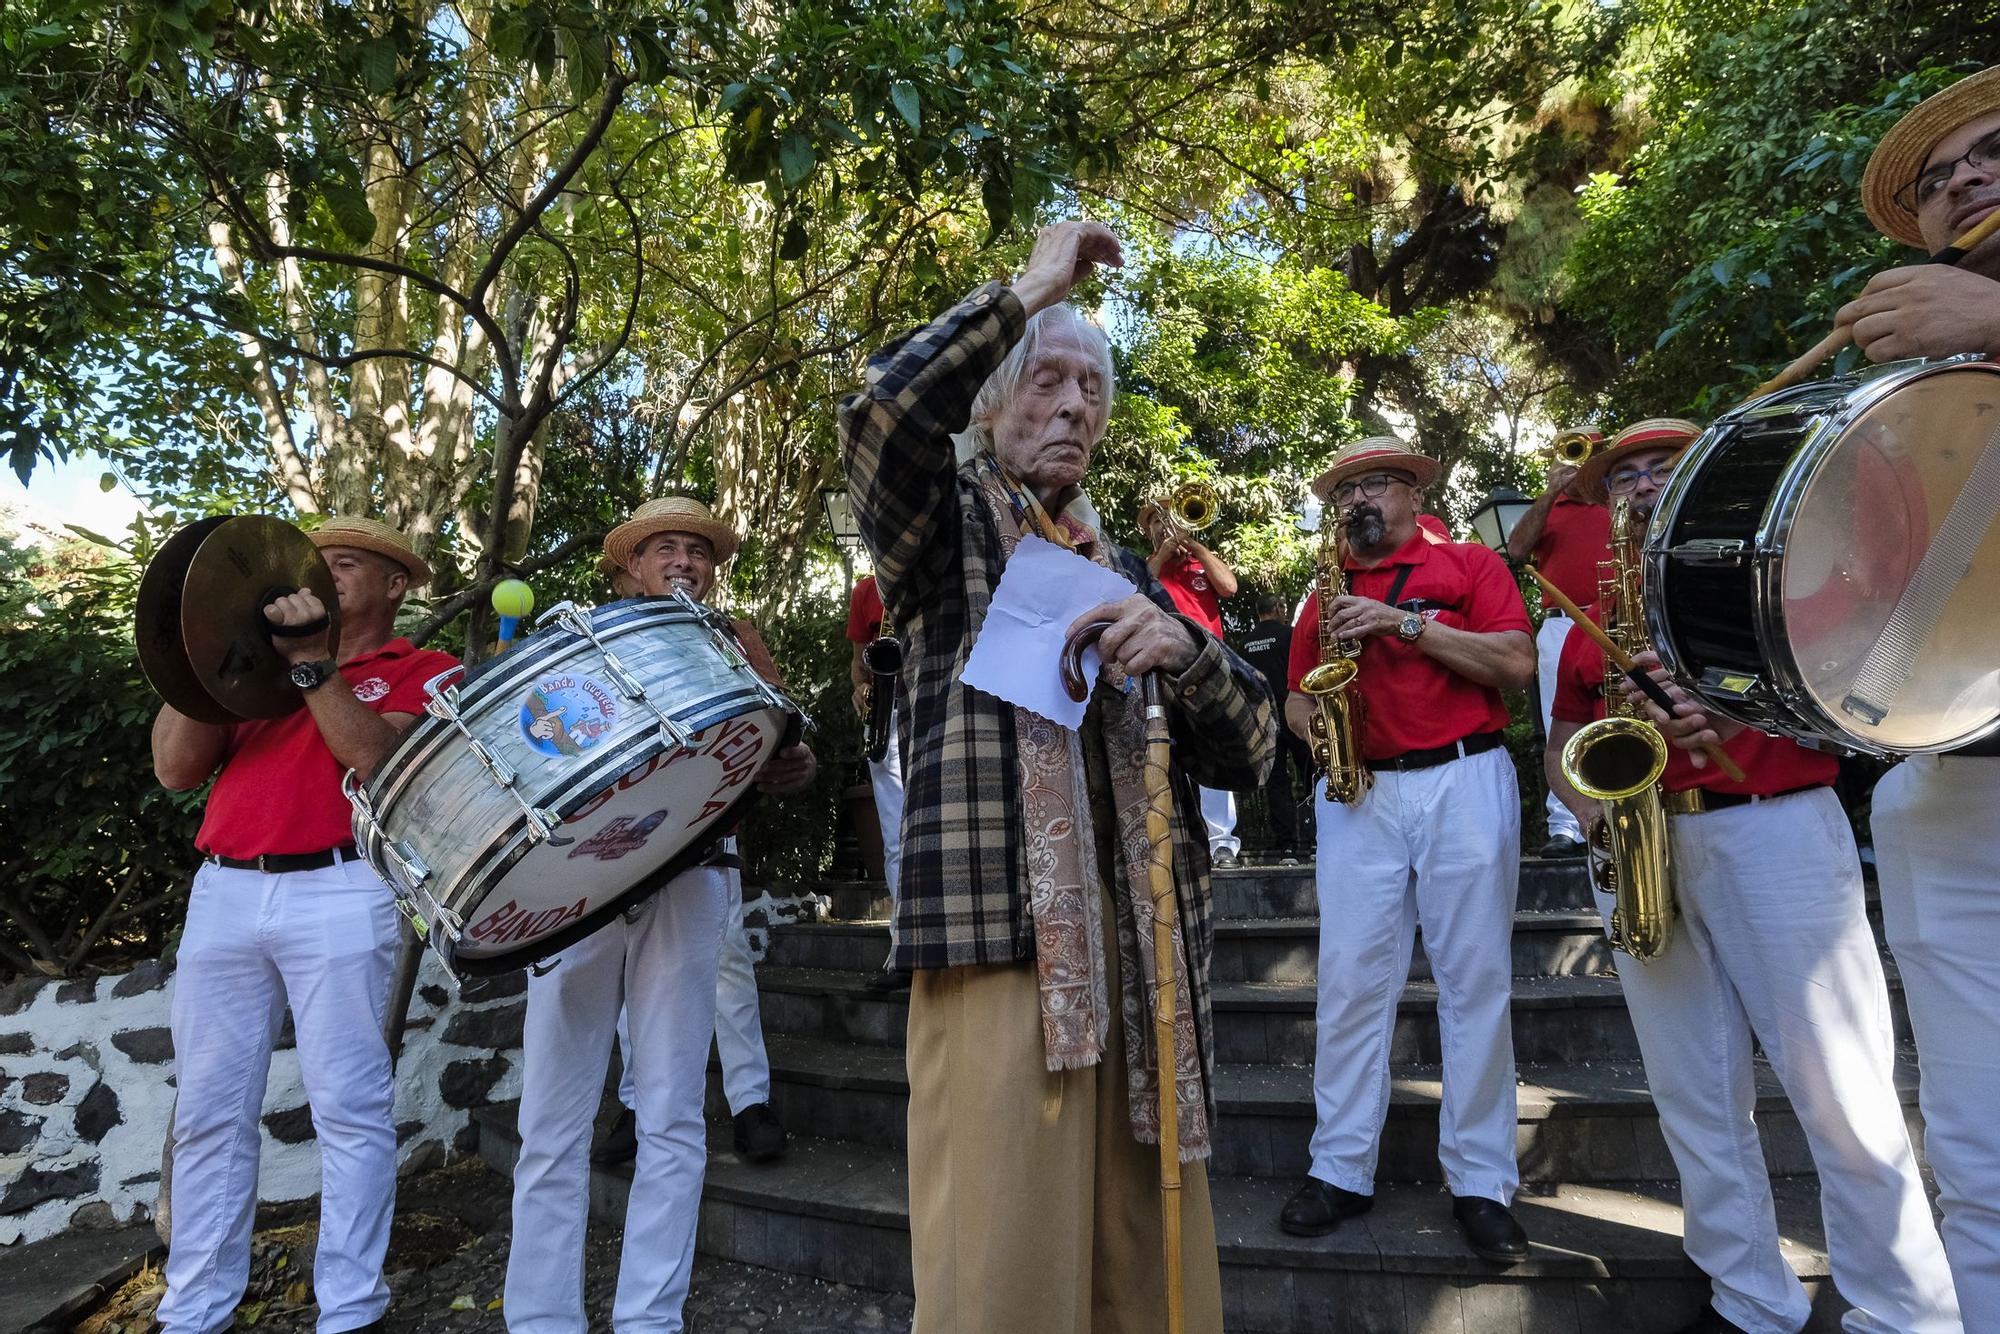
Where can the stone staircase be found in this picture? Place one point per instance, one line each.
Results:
(1598, 1194)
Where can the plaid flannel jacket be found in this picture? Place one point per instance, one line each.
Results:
(963, 897)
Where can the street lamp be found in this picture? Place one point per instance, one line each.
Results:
(1493, 522)
(840, 519)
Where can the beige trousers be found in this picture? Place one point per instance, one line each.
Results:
(1031, 1205)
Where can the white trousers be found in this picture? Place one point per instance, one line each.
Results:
(1939, 865)
(324, 942)
(739, 1024)
(1440, 848)
(1548, 649)
(659, 962)
(886, 777)
(1773, 949)
(1218, 812)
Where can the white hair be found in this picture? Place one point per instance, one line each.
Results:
(1005, 381)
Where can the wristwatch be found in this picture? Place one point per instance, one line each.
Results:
(311, 675)
(1411, 626)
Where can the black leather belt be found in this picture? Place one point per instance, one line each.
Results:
(1476, 744)
(1698, 801)
(279, 863)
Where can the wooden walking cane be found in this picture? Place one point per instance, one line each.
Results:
(1810, 360)
(1166, 909)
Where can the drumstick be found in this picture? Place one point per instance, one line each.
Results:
(1623, 661)
(1844, 334)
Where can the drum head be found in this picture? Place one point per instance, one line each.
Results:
(1890, 562)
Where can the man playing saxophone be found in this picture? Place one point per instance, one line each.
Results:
(1434, 839)
(1772, 949)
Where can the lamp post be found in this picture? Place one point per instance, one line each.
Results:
(846, 529)
(1493, 522)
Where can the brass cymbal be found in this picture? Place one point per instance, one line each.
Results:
(157, 628)
(238, 568)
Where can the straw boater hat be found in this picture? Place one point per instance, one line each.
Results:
(670, 514)
(1904, 149)
(1675, 433)
(347, 530)
(1376, 453)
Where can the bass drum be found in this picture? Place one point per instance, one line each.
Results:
(565, 780)
(1823, 563)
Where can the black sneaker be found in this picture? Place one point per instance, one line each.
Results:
(1490, 1229)
(759, 1137)
(1562, 845)
(1223, 861)
(621, 1142)
(1317, 1208)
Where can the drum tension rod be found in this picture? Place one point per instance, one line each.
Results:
(541, 823)
(574, 620)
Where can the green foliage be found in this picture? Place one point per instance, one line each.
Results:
(95, 863)
(1737, 230)
(789, 839)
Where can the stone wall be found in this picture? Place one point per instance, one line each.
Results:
(86, 1086)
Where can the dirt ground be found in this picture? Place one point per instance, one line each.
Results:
(447, 1266)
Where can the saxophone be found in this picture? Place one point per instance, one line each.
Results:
(1617, 761)
(1336, 723)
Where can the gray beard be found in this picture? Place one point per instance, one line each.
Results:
(1366, 531)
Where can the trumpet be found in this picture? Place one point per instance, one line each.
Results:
(1572, 449)
(1187, 509)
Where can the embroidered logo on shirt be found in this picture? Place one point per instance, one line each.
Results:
(372, 689)
(567, 715)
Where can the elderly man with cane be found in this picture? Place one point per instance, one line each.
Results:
(1026, 906)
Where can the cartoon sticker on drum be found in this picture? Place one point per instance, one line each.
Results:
(567, 715)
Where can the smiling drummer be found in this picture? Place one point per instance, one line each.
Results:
(659, 962)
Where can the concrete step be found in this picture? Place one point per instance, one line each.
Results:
(1555, 1019)
(1555, 885)
(1277, 949)
(1287, 891)
(1577, 1122)
(1605, 1256)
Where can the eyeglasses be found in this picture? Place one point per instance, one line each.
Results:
(1371, 487)
(1624, 479)
(1932, 180)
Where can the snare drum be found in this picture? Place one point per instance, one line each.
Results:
(1824, 563)
(567, 779)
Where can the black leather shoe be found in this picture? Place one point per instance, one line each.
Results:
(621, 1142)
(1317, 1208)
(759, 1137)
(1710, 1321)
(1562, 845)
(1490, 1230)
(1225, 861)
(886, 981)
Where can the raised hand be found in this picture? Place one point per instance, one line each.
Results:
(1064, 254)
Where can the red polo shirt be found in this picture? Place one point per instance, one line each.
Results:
(1413, 701)
(864, 611)
(1576, 537)
(1770, 764)
(1187, 584)
(279, 789)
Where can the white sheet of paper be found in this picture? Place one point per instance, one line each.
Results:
(1043, 589)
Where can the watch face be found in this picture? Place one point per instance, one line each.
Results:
(306, 675)
(1412, 626)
